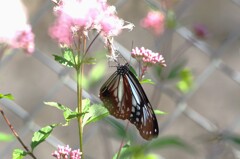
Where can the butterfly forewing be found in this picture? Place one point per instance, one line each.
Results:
(124, 97)
(142, 115)
(116, 95)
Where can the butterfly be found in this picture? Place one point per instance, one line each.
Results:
(124, 97)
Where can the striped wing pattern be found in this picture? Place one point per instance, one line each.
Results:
(124, 97)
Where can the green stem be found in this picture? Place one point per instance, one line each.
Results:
(79, 92)
(79, 100)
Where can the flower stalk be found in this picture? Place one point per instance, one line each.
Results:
(79, 69)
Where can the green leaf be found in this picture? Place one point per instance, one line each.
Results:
(89, 60)
(63, 61)
(123, 150)
(133, 70)
(86, 103)
(232, 137)
(41, 135)
(97, 72)
(186, 82)
(68, 114)
(7, 96)
(159, 112)
(18, 154)
(95, 75)
(177, 68)
(140, 151)
(95, 113)
(57, 105)
(171, 21)
(165, 142)
(6, 137)
(146, 81)
(67, 53)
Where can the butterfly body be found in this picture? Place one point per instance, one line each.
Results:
(124, 97)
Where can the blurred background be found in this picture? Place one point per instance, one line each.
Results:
(201, 98)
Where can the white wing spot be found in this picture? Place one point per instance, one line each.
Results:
(133, 109)
(138, 107)
(138, 113)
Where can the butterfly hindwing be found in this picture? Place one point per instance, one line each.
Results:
(124, 97)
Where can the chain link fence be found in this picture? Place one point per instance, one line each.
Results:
(201, 117)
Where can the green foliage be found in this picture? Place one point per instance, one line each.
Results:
(124, 148)
(94, 76)
(234, 138)
(68, 114)
(94, 113)
(142, 151)
(7, 96)
(67, 58)
(18, 154)
(41, 135)
(6, 137)
(186, 80)
(171, 21)
(159, 112)
(176, 69)
(91, 113)
(89, 60)
(146, 81)
(133, 70)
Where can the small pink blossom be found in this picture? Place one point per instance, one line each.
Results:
(148, 57)
(154, 20)
(200, 31)
(25, 40)
(66, 153)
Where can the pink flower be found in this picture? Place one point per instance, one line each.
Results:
(24, 39)
(154, 20)
(200, 31)
(66, 153)
(111, 25)
(148, 57)
(77, 17)
(75, 154)
(15, 32)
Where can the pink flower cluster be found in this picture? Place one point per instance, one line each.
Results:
(66, 153)
(15, 33)
(81, 16)
(24, 39)
(148, 56)
(154, 20)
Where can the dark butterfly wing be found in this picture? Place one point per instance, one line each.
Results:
(116, 95)
(142, 115)
(124, 97)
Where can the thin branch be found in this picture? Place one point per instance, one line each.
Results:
(121, 145)
(91, 43)
(16, 135)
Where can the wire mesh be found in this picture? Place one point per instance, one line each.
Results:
(212, 106)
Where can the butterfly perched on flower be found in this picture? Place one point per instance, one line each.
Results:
(124, 97)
